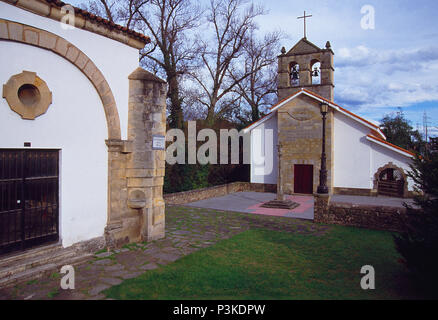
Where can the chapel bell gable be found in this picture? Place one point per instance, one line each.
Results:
(306, 66)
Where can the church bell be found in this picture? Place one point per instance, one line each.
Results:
(294, 73)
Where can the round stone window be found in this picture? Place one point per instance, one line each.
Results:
(27, 94)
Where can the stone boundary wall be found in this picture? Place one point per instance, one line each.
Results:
(216, 191)
(363, 216)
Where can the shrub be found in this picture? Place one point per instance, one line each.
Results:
(418, 245)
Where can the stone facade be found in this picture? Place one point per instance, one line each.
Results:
(300, 141)
(305, 54)
(300, 120)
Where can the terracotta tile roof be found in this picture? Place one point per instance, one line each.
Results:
(390, 144)
(329, 102)
(90, 16)
(86, 20)
(343, 109)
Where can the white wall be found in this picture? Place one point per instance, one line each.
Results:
(115, 60)
(264, 155)
(352, 168)
(75, 123)
(357, 159)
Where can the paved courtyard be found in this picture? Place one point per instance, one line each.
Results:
(251, 202)
(188, 229)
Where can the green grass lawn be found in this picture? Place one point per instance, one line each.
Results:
(260, 264)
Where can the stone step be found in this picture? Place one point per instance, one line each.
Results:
(39, 260)
(42, 270)
(279, 204)
(16, 257)
(276, 207)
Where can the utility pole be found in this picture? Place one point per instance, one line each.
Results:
(426, 130)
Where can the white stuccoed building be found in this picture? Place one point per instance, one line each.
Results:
(74, 165)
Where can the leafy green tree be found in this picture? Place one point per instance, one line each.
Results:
(418, 245)
(398, 131)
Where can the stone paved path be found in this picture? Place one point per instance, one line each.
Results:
(187, 230)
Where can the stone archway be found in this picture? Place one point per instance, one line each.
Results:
(17, 32)
(381, 170)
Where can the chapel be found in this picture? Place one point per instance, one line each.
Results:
(77, 121)
(289, 145)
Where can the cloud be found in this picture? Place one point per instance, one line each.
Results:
(362, 55)
(370, 78)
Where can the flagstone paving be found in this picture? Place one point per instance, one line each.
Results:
(188, 229)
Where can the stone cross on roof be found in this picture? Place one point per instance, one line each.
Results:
(304, 17)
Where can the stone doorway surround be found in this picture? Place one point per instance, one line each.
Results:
(135, 171)
(391, 165)
(300, 142)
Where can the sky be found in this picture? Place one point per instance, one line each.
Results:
(377, 70)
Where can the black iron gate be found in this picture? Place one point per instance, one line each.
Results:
(29, 188)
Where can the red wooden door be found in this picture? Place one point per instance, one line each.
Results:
(303, 178)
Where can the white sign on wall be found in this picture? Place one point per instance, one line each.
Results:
(158, 142)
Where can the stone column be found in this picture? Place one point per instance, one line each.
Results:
(305, 74)
(145, 166)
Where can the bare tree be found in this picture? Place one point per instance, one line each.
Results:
(103, 8)
(229, 66)
(192, 109)
(232, 22)
(169, 24)
(259, 88)
(123, 12)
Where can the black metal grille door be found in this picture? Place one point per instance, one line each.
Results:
(29, 210)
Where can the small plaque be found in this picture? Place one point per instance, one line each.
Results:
(158, 142)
